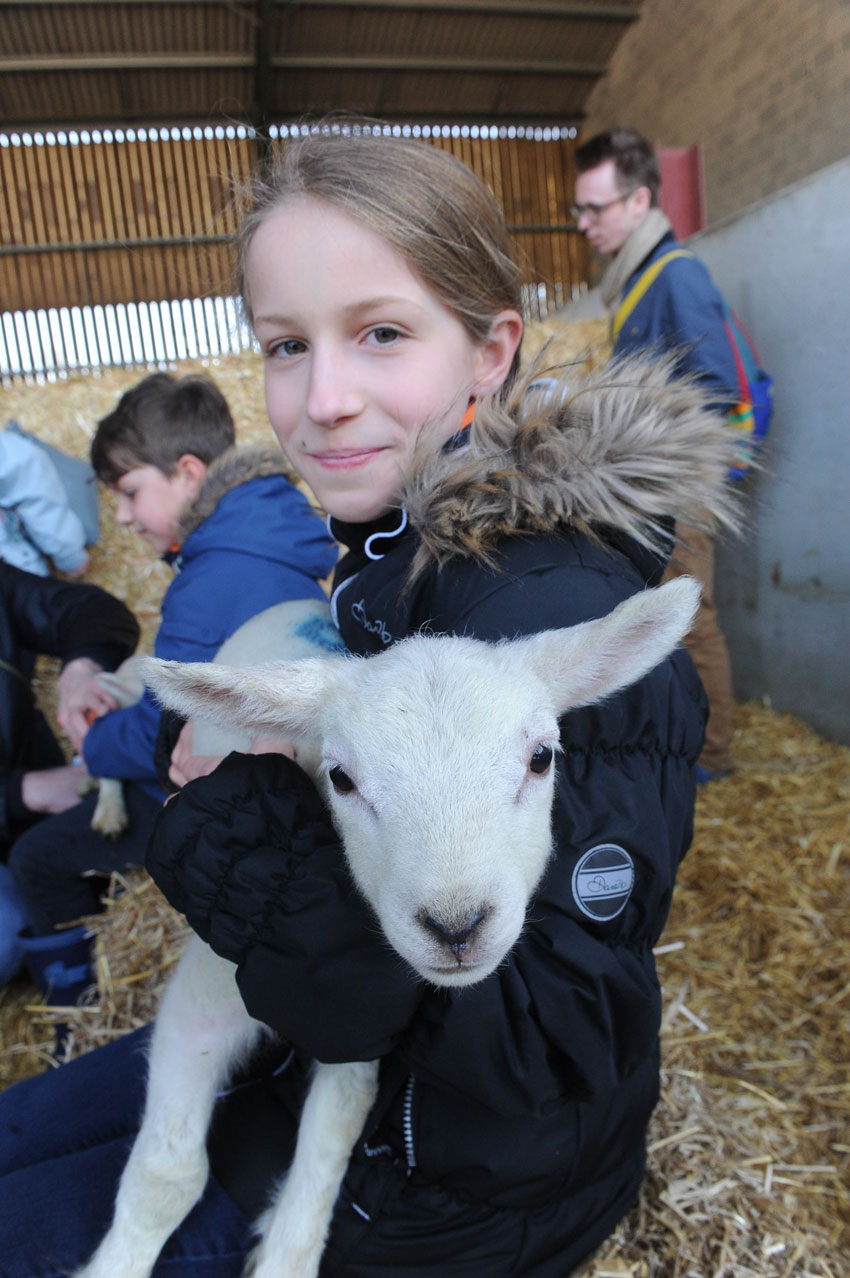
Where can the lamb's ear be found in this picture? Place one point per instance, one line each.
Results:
(588, 662)
(277, 699)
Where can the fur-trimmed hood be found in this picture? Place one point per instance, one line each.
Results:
(233, 468)
(622, 450)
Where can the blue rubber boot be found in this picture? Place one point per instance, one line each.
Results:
(59, 963)
(704, 776)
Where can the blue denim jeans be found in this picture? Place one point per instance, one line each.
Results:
(13, 917)
(64, 1139)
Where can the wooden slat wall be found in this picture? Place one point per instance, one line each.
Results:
(533, 181)
(115, 200)
(119, 205)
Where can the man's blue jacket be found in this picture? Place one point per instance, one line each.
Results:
(682, 310)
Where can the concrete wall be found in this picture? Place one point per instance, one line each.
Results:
(784, 592)
(763, 85)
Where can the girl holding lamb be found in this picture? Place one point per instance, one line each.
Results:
(508, 1136)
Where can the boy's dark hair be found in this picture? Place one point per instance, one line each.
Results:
(634, 158)
(157, 421)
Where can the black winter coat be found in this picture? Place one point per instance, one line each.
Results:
(525, 1096)
(508, 1135)
(60, 619)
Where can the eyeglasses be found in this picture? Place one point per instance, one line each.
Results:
(595, 211)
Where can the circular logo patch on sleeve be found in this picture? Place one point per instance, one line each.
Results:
(603, 881)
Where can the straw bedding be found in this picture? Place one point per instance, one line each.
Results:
(749, 1154)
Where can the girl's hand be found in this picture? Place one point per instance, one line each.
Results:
(188, 766)
(272, 745)
(185, 764)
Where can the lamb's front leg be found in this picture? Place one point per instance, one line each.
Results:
(295, 1228)
(201, 1034)
(110, 814)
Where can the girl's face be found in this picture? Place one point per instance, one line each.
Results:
(360, 357)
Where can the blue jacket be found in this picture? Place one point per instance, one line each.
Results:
(251, 540)
(683, 310)
(36, 519)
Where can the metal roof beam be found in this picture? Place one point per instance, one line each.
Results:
(142, 117)
(448, 66)
(612, 12)
(297, 62)
(262, 65)
(126, 62)
(71, 4)
(525, 8)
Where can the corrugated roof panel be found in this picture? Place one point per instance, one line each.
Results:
(56, 29)
(116, 96)
(386, 32)
(134, 60)
(427, 94)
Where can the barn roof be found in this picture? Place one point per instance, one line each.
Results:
(66, 62)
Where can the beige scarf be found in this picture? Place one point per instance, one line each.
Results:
(639, 245)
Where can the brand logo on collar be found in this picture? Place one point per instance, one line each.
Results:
(376, 627)
(603, 882)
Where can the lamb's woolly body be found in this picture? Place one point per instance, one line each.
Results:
(620, 450)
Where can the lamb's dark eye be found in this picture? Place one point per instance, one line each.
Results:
(340, 780)
(541, 760)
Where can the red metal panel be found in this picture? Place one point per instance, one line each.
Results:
(682, 187)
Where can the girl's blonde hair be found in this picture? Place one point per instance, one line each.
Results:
(418, 198)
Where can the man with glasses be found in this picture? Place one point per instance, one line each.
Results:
(675, 308)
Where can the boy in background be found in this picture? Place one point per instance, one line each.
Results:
(240, 537)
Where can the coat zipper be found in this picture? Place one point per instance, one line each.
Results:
(410, 1152)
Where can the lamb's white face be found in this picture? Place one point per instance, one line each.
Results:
(444, 800)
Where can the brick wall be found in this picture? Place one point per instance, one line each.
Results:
(763, 85)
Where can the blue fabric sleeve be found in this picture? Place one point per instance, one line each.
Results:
(694, 316)
(121, 744)
(684, 310)
(32, 488)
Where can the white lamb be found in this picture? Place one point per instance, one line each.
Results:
(297, 628)
(435, 759)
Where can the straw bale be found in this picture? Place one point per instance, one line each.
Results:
(583, 344)
(749, 1156)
